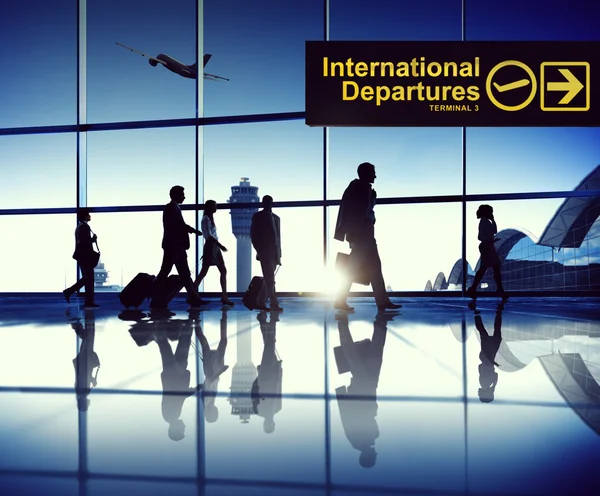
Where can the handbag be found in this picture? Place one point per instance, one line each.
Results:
(361, 274)
(93, 258)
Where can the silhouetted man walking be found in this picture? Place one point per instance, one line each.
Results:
(266, 389)
(358, 402)
(175, 376)
(356, 224)
(265, 234)
(86, 257)
(175, 243)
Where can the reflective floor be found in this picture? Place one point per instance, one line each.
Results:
(435, 399)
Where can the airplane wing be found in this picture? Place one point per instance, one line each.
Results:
(141, 53)
(213, 77)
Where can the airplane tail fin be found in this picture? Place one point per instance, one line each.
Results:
(207, 58)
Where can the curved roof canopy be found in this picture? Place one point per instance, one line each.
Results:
(440, 282)
(455, 276)
(572, 221)
(573, 380)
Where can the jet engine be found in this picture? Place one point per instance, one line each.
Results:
(153, 62)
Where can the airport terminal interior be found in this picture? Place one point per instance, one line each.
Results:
(105, 107)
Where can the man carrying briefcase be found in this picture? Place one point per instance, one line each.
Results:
(356, 224)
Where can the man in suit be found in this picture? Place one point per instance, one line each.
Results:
(266, 389)
(175, 243)
(358, 401)
(356, 224)
(265, 234)
(86, 257)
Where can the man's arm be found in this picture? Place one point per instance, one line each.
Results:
(361, 202)
(177, 218)
(278, 237)
(253, 229)
(256, 232)
(191, 229)
(357, 206)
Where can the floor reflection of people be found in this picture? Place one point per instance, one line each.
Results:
(213, 362)
(175, 376)
(266, 388)
(363, 359)
(488, 377)
(86, 363)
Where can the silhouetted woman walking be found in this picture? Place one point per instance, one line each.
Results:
(211, 255)
(489, 257)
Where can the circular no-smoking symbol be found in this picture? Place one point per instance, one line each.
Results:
(495, 90)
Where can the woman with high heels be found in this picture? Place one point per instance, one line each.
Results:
(212, 253)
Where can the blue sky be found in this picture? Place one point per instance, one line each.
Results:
(260, 47)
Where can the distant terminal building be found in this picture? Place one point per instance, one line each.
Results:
(566, 257)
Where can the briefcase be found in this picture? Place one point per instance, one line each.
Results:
(360, 276)
(362, 349)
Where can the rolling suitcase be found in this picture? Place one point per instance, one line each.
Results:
(171, 288)
(256, 294)
(140, 287)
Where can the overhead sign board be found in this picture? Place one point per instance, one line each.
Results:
(447, 84)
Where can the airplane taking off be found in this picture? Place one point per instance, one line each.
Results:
(187, 71)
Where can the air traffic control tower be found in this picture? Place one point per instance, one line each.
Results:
(241, 218)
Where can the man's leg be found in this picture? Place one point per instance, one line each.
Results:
(88, 277)
(268, 269)
(71, 290)
(377, 282)
(78, 285)
(183, 269)
(182, 351)
(165, 270)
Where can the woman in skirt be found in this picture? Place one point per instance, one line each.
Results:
(489, 257)
(212, 253)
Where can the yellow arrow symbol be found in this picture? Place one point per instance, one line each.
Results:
(572, 86)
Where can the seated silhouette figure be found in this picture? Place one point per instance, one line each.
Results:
(213, 363)
(87, 362)
(267, 387)
(358, 401)
(488, 377)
